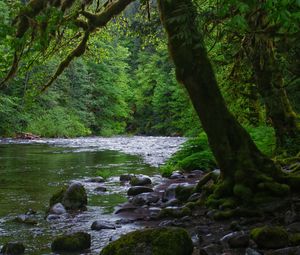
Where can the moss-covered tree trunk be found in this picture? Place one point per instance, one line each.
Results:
(270, 84)
(244, 169)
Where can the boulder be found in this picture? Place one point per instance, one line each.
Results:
(133, 191)
(177, 175)
(72, 243)
(160, 241)
(140, 180)
(100, 189)
(181, 191)
(250, 251)
(285, 251)
(145, 199)
(236, 239)
(73, 197)
(13, 248)
(270, 237)
(98, 225)
(57, 209)
(126, 177)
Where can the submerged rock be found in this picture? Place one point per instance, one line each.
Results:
(161, 241)
(57, 209)
(26, 219)
(140, 180)
(72, 243)
(98, 179)
(73, 197)
(13, 248)
(98, 225)
(133, 191)
(236, 239)
(100, 189)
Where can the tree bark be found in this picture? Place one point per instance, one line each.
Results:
(244, 169)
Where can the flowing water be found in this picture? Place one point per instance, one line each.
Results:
(31, 171)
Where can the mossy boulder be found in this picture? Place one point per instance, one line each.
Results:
(174, 212)
(161, 241)
(183, 192)
(270, 237)
(13, 248)
(71, 243)
(73, 197)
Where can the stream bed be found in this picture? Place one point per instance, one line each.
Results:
(32, 170)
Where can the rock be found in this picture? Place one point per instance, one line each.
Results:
(178, 190)
(236, 239)
(133, 191)
(145, 199)
(13, 248)
(26, 219)
(73, 197)
(250, 251)
(98, 225)
(270, 237)
(174, 212)
(177, 175)
(154, 212)
(197, 172)
(290, 217)
(51, 217)
(160, 241)
(28, 136)
(100, 189)
(57, 209)
(126, 177)
(127, 207)
(172, 202)
(71, 243)
(140, 180)
(294, 227)
(97, 179)
(194, 197)
(184, 191)
(285, 251)
(211, 249)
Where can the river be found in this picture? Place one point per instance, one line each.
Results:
(32, 170)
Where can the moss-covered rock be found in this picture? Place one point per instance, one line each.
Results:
(295, 239)
(162, 241)
(13, 248)
(174, 212)
(270, 237)
(73, 197)
(71, 243)
(183, 192)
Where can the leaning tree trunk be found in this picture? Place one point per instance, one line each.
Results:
(244, 169)
(270, 84)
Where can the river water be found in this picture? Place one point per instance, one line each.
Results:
(31, 171)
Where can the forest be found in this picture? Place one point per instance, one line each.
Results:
(223, 74)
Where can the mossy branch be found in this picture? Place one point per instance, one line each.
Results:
(101, 19)
(77, 52)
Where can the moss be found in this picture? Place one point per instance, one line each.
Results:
(275, 188)
(224, 188)
(294, 239)
(161, 241)
(203, 181)
(182, 193)
(242, 192)
(212, 201)
(228, 203)
(174, 212)
(198, 160)
(270, 237)
(222, 215)
(57, 197)
(72, 243)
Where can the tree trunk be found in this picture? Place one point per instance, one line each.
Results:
(270, 84)
(244, 169)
